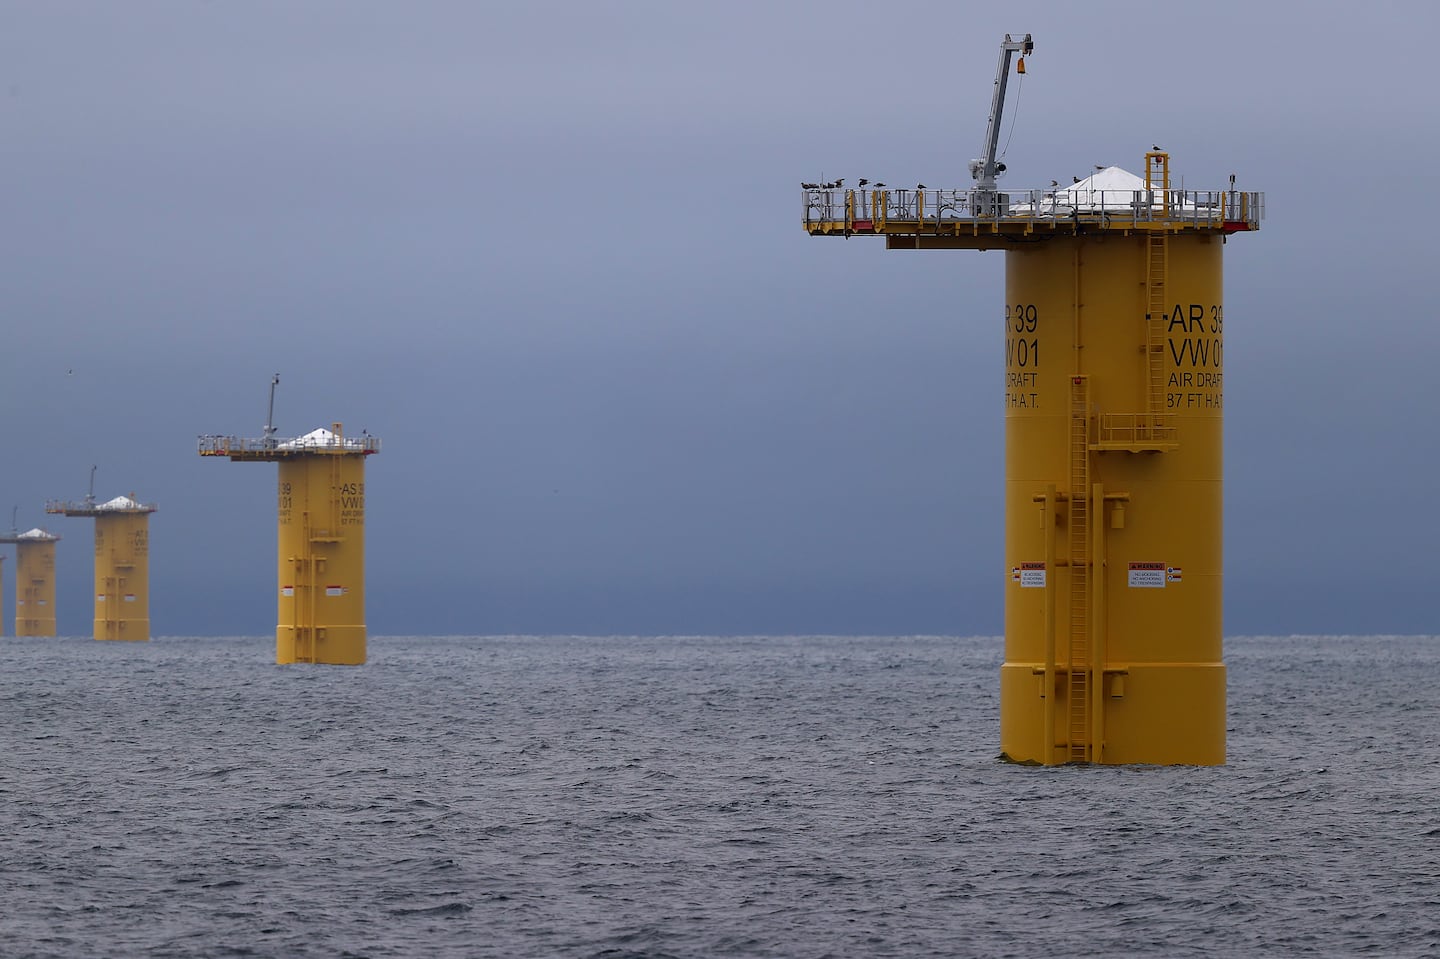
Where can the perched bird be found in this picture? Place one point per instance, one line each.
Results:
(919, 186)
(863, 181)
(810, 186)
(1155, 148)
(840, 182)
(879, 186)
(1074, 179)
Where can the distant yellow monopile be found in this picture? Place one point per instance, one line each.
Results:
(34, 581)
(122, 564)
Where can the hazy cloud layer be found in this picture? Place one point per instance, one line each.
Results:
(551, 254)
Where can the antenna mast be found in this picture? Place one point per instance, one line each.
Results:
(90, 496)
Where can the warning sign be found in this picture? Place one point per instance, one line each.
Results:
(1172, 574)
(336, 590)
(1030, 575)
(287, 590)
(1147, 575)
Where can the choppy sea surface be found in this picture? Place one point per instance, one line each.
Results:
(695, 796)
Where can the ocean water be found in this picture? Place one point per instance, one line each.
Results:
(761, 796)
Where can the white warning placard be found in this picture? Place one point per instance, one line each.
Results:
(1032, 575)
(1147, 575)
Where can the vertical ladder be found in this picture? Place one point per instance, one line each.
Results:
(1078, 672)
(302, 573)
(1156, 327)
(1157, 177)
(108, 615)
(1157, 181)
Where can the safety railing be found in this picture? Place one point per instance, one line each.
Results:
(873, 210)
(1136, 428)
(226, 445)
(89, 507)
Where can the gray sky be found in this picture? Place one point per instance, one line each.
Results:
(551, 254)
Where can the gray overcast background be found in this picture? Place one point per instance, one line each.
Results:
(550, 253)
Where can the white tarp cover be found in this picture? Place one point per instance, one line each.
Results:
(1113, 187)
(36, 533)
(119, 502)
(321, 438)
(1111, 190)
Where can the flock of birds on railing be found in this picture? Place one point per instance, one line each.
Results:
(837, 184)
(863, 182)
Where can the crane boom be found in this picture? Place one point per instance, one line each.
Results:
(986, 167)
(270, 416)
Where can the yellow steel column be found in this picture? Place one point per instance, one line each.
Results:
(122, 575)
(34, 582)
(321, 558)
(122, 564)
(1114, 329)
(1161, 592)
(320, 607)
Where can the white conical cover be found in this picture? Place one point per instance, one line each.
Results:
(1111, 180)
(119, 502)
(1104, 191)
(320, 438)
(36, 533)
